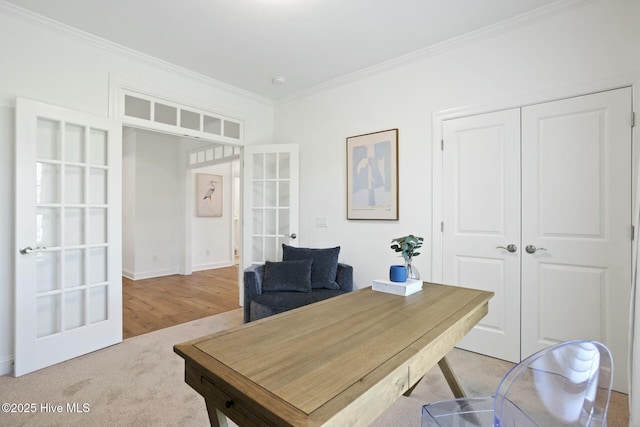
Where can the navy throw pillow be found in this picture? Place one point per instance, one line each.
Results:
(292, 276)
(325, 264)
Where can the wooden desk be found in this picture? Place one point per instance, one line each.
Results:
(339, 362)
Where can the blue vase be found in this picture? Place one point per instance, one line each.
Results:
(398, 273)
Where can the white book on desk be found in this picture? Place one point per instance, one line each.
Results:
(411, 286)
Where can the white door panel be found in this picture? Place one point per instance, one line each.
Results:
(481, 207)
(270, 202)
(576, 183)
(68, 282)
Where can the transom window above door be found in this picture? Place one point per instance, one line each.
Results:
(163, 115)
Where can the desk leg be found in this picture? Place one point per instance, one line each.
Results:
(216, 418)
(451, 378)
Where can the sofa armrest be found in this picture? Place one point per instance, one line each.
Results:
(344, 277)
(252, 287)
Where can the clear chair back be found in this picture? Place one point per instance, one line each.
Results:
(568, 384)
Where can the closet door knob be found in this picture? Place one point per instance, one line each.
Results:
(510, 247)
(531, 249)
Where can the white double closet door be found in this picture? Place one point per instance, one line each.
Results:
(537, 208)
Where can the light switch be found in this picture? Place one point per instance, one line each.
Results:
(321, 221)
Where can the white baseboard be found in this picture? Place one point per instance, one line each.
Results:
(212, 265)
(167, 272)
(148, 274)
(6, 365)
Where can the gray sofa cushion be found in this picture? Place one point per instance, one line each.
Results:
(324, 267)
(293, 276)
(271, 303)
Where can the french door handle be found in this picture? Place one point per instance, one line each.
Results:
(292, 236)
(25, 250)
(510, 247)
(531, 249)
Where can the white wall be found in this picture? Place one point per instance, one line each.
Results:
(49, 65)
(594, 42)
(155, 220)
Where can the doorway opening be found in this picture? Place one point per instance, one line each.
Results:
(177, 266)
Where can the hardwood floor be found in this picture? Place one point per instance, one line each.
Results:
(152, 304)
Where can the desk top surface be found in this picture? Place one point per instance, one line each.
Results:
(329, 350)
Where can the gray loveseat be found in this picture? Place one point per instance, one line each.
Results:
(303, 277)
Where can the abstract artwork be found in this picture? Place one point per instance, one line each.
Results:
(372, 175)
(208, 194)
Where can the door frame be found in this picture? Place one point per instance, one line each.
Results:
(118, 86)
(519, 101)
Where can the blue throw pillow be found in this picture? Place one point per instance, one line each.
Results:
(325, 264)
(292, 276)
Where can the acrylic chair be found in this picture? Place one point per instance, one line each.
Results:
(568, 384)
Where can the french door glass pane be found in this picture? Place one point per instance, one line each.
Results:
(257, 249)
(271, 250)
(285, 166)
(98, 147)
(258, 221)
(47, 271)
(48, 309)
(47, 183)
(258, 194)
(97, 225)
(271, 165)
(283, 222)
(74, 226)
(74, 143)
(48, 226)
(97, 265)
(98, 304)
(73, 268)
(270, 222)
(48, 139)
(98, 185)
(74, 185)
(73, 309)
(258, 166)
(283, 194)
(270, 194)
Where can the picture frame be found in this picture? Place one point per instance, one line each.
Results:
(372, 176)
(208, 195)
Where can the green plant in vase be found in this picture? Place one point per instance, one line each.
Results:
(408, 246)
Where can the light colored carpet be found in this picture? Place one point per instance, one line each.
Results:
(140, 382)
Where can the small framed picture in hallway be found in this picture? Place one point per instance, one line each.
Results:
(208, 195)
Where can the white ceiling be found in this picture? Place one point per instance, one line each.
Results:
(245, 43)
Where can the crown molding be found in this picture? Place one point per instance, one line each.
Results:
(484, 33)
(59, 27)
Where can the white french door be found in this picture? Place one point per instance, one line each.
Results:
(537, 208)
(270, 202)
(68, 282)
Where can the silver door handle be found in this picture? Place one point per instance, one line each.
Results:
(25, 250)
(510, 247)
(532, 249)
(292, 236)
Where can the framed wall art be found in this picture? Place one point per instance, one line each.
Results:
(372, 175)
(208, 195)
